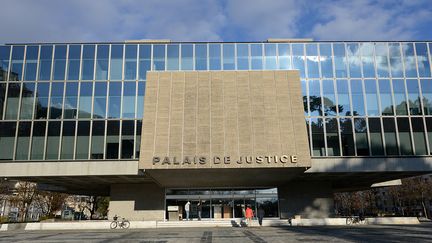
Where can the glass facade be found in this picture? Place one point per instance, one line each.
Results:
(85, 101)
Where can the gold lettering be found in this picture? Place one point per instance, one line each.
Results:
(216, 160)
(284, 159)
(175, 161)
(186, 160)
(166, 160)
(156, 160)
(249, 159)
(293, 159)
(202, 160)
(227, 160)
(259, 159)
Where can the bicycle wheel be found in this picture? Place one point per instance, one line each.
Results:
(113, 225)
(349, 221)
(125, 224)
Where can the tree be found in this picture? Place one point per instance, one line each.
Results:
(50, 202)
(23, 196)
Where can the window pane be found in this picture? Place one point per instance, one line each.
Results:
(97, 147)
(88, 62)
(419, 136)
(228, 57)
(17, 63)
(56, 101)
(99, 101)
(28, 94)
(45, 63)
(31, 63)
(422, 60)
(390, 136)
(312, 60)
(42, 100)
(59, 62)
(381, 58)
(409, 60)
(138, 138)
(112, 139)
(2, 98)
(284, 56)
(395, 60)
(332, 137)
(85, 99)
(215, 56)
(315, 105)
(68, 139)
(340, 60)
(102, 62)
(116, 62)
(4, 62)
(140, 102)
(298, 59)
(317, 137)
(375, 136)
(347, 137)
(200, 57)
(305, 97)
(357, 97)
(426, 86)
(130, 72)
(7, 138)
(173, 57)
(12, 101)
(187, 57)
(360, 128)
(127, 143)
(256, 57)
(413, 97)
(114, 101)
(71, 99)
(74, 62)
(242, 57)
(386, 97)
(53, 140)
(343, 97)
(371, 97)
(270, 56)
(129, 100)
(400, 97)
(329, 98)
(159, 57)
(367, 52)
(326, 61)
(144, 61)
(23, 142)
(429, 131)
(404, 136)
(37, 148)
(82, 144)
(353, 53)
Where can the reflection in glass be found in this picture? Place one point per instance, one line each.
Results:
(357, 97)
(7, 138)
(4, 62)
(270, 56)
(97, 141)
(400, 97)
(340, 60)
(386, 97)
(23, 141)
(422, 60)
(317, 126)
(298, 58)
(329, 98)
(138, 138)
(130, 71)
(53, 140)
(42, 100)
(429, 131)
(347, 138)
(28, 94)
(114, 100)
(127, 141)
(37, 148)
(85, 100)
(82, 143)
(68, 139)
(413, 97)
(371, 97)
(32, 53)
(173, 57)
(390, 136)
(187, 57)
(409, 60)
(315, 105)
(59, 62)
(71, 100)
(129, 95)
(200, 57)
(404, 136)
(312, 60)
(56, 100)
(256, 56)
(144, 61)
(305, 97)
(12, 101)
(343, 97)
(140, 99)
(326, 60)
(242, 57)
(17, 63)
(332, 132)
(45, 63)
(360, 129)
(116, 69)
(100, 99)
(353, 53)
(74, 62)
(381, 58)
(215, 56)
(367, 52)
(88, 62)
(419, 136)
(159, 57)
(228, 57)
(102, 62)
(112, 140)
(2, 98)
(395, 60)
(376, 142)
(284, 56)
(426, 86)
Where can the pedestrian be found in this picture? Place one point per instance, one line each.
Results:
(199, 210)
(260, 215)
(187, 209)
(249, 215)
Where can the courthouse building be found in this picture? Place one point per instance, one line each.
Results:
(153, 124)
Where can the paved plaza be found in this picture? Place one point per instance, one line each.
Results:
(367, 233)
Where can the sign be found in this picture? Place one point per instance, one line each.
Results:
(173, 208)
(216, 160)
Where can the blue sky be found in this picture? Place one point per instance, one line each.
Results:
(214, 20)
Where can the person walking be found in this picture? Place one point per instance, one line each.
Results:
(249, 215)
(260, 215)
(199, 206)
(187, 209)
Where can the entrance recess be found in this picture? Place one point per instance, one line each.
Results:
(222, 203)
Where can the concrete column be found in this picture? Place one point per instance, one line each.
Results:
(311, 199)
(137, 201)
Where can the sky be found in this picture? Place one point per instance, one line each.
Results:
(213, 20)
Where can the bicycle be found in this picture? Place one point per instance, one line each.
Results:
(123, 223)
(351, 220)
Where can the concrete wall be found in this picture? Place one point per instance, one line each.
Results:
(137, 201)
(309, 199)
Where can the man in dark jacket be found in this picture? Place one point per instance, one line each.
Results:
(260, 215)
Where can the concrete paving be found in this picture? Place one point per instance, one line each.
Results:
(365, 233)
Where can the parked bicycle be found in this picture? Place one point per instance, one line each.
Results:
(123, 223)
(351, 220)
